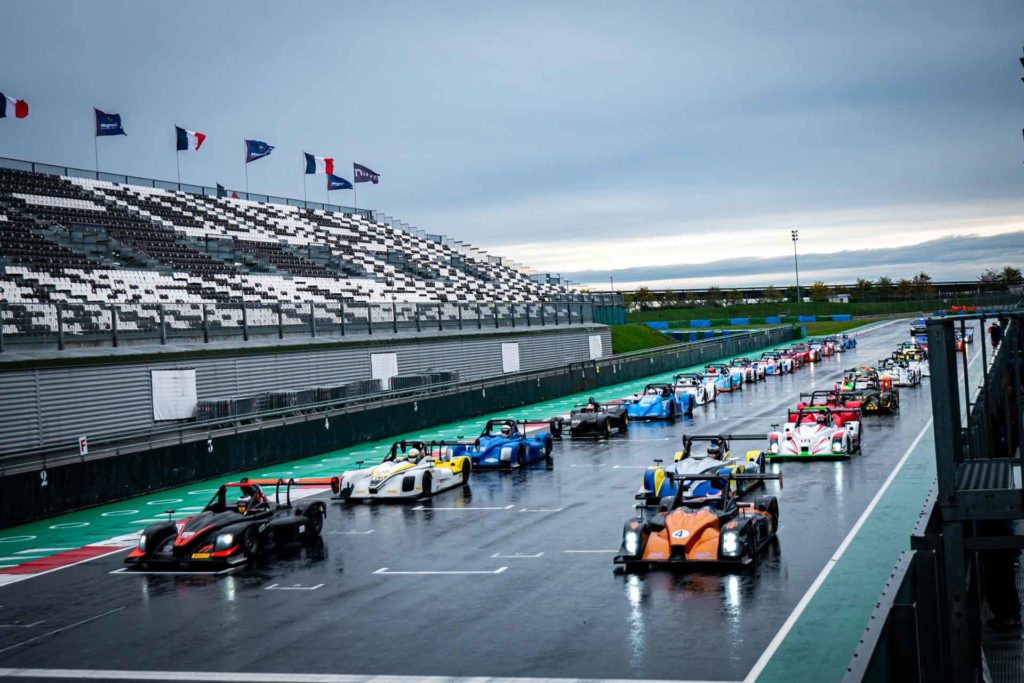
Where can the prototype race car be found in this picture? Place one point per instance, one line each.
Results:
(711, 456)
(238, 524)
(410, 470)
(902, 373)
(792, 355)
(823, 346)
(753, 371)
(597, 418)
(859, 377)
(963, 338)
(726, 378)
(775, 363)
(660, 402)
(912, 351)
(506, 443)
(685, 530)
(845, 341)
(807, 352)
(815, 433)
(877, 395)
(919, 330)
(700, 386)
(840, 404)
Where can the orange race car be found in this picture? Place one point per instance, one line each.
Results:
(701, 531)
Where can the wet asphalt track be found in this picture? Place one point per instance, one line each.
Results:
(538, 596)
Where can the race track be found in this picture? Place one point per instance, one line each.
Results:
(511, 576)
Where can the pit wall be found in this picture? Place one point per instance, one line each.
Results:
(23, 498)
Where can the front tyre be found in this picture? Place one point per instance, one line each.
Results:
(251, 545)
(316, 523)
(427, 485)
(466, 468)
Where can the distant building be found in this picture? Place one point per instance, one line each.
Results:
(839, 299)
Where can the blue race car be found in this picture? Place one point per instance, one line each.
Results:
(660, 402)
(727, 378)
(505, 444)
(714, 458)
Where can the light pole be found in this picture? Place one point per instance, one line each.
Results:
(796, 265)
(611, 279)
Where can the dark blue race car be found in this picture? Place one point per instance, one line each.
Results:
(507, 443)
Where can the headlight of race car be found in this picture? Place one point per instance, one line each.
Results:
(574, 423)
(224, 541)
(837, 446)
(142, 542)
(730, 543)
(631, 542)
(773, 447)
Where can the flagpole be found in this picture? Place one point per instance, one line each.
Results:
(247, 178)
(304, 200)
(177, 165)
(96, 151)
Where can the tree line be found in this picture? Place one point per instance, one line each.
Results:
(920, 286)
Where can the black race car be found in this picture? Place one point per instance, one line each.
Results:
(237, 525)
(598, 418)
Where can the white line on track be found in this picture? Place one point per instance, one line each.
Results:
(293, 587)
(33, 624)
(350, 533)
(263, 677)
(386, 571)
(630, 467)
(59, 630)
(516, 556)
(457, 509)
(125, 571)
(7, 579)
(36, 551)
(541, 509)
(588, 552)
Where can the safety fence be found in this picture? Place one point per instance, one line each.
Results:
(58, 325)
(927, 622)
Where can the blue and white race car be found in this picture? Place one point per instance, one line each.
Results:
(660, 402)
(506, 443)
(726, 378)
(775, 363)
(700, 386)
(711, 456)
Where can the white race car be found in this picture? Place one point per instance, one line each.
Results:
(903, 373)
(698, 384)
(816, 432)
(411, 470)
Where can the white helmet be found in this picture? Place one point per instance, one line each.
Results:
(506, 430)
(413, 454)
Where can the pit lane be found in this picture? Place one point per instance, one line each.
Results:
(509, 577)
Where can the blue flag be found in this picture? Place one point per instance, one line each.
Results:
(108, 124)
(256, 149)
(364, 174)
(337, 183)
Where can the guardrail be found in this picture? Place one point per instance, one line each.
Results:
(113, 444)
(57, 325)
(927, 624)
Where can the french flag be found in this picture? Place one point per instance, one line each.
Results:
(12, 107)
(189, 139)
(315, 165)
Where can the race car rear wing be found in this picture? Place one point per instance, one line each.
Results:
(287, 484)
(732, 476)
(687, 439)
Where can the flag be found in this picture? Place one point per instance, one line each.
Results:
(12, 107)
(364, 175)
(189, 139)
(108, 124)
(318, 164)
(221, 191)
(337, 183)
(254, 149)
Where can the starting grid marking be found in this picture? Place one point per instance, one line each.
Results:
(388, 572)
(127, 571)
(293, 587)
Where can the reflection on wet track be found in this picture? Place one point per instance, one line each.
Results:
(510, 576)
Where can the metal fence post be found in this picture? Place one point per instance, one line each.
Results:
(418, 318)
(369, 318)
(60, 328)
(479, 316)
(113, 325)
(528, 323)
(312, 319)
(513, 309)
(206, 324)
(394, 317)
(245, 322)
(543, 313)
(460, 315)
(494, 307)
(440, 322)
(280, 321)
(342, 318)
(2, 311)
(163, 324)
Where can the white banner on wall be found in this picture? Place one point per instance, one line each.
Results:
(596, 349)
(510, 357)
(384, 366)
(174, 394)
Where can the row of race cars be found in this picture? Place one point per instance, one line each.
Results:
(696, 505)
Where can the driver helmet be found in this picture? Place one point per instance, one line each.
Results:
(243, 503)
(506, 430)
(652, 392)
(413, 455)
(715, 448)
(820, 418)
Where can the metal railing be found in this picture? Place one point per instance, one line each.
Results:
(927, 624)
(58, 325)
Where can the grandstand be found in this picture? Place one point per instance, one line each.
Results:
(72, 247)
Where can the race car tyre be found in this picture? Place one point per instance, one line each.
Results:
(751, 547)
(547, 448)
(556, 427)
(427, 484)
(316, 523)
(608, 426)
(520, 456)
(465, 472)
(625, 424)
(252, 547)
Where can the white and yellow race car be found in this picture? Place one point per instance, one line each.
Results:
(411, 470)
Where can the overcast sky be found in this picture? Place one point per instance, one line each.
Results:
(571, 136)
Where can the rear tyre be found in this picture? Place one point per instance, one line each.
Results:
(548, 445)
(625, 424)
(316, 523)
(466, 468)
(607, 426)
(521, 455)
(428, 484)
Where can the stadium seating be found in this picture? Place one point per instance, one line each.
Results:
(89, 245)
